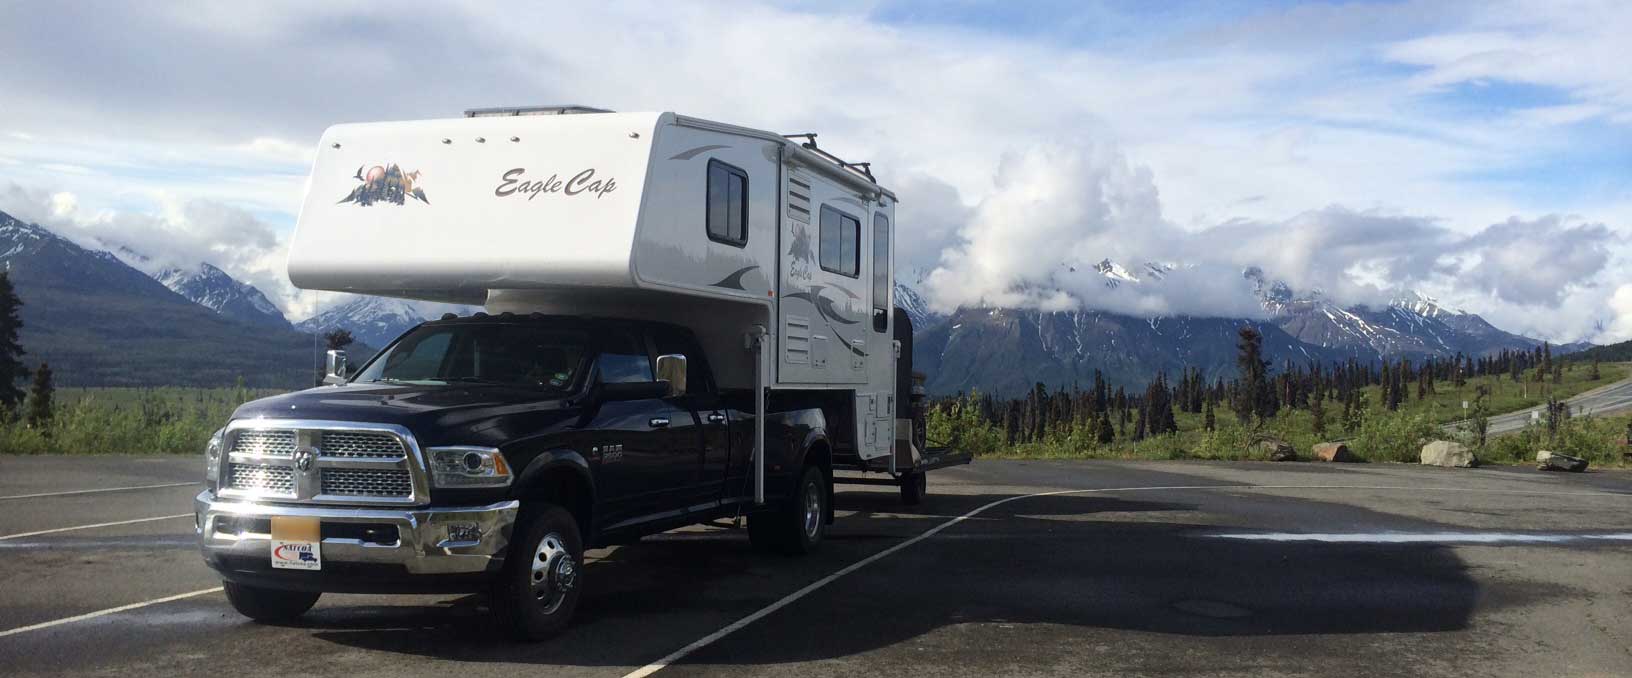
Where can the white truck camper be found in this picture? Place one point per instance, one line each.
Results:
(684, 322)
(775, 253)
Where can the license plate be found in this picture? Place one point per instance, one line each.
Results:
(297, 543)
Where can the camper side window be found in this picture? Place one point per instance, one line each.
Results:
(841, 240)
(727, 204)
(881, 272)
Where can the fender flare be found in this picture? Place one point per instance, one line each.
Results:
(814, 437)
(550, 460)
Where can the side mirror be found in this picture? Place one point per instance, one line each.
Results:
(671, 368)
(334, 368)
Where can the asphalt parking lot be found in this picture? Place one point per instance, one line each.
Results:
(1010, 568)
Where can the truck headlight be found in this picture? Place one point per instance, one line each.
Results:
(212, 458)
(461, 466)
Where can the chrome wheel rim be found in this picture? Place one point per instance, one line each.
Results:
(554, 573)
(813, 509)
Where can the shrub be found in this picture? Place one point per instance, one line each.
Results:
(1396, 436)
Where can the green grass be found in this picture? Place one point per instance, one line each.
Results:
(1505, 395)
(129, 421)
(179, 421)
(1384, 437)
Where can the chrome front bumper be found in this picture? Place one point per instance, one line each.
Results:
(422, 546)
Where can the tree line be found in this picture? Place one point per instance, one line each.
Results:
(34, 407)
(1332, 394)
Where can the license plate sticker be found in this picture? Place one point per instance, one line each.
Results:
(296, 555)
(297, 543)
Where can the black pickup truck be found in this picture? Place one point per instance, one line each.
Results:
(486, 453)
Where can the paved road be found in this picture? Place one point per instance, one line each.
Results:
(1028, 568)
(1605, 400)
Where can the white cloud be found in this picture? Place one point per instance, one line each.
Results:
(1620, 304)
(1307, 140)
(180, 234)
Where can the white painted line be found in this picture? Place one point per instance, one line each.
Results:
(103, 613)
(104, 489)
(1425, 537)
(87, 527)
(789, 599)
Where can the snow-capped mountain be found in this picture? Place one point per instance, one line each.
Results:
(1004, 351)
(909, 300)
(376, 321)
(1412, 326)
(1007, 350)
(213, 289)
(101, 322)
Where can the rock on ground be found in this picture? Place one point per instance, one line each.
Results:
(1553, 461)
(1448, 454)
(1337, 452)
(1277, 450)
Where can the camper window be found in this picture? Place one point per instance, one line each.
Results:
(881, 272)
(727, 204)
(841, 239)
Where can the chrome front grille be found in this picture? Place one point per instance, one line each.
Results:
(360, 445)
(323, 462)
(262, 479)
(367, 482)
(265, 442)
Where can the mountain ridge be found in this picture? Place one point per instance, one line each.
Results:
(101, 322)
(998, 350)
(376, 321)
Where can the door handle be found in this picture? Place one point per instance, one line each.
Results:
(659, 422)
(716, 418)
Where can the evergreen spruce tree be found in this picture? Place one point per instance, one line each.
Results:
(11, 348)
(1480, 421)
(1255, 392)
(1107, 433)
(1207, 421)
(1317, 410)
(39, 411)
(1357, 413)
(1139, 426)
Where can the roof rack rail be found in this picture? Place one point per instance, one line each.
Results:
(511, 111)
(862, 168)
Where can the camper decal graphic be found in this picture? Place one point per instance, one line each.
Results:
(828, 312)
(512, 183)
(734, 281)
(386, 183)
(802, 252)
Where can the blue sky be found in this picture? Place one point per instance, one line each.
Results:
(1127, 130)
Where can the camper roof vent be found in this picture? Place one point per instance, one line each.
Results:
(511, 111)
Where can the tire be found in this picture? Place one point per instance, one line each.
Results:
(798, 527)
(538, 589)
(914, 486)
(269, 606)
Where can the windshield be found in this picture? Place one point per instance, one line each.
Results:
(497, 353)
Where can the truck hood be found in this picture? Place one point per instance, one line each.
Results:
(453, 414)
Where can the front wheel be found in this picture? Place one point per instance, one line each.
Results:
(269, 606)
(542, 579)
(798, 527)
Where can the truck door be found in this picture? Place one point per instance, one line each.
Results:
(648, 449)
(713, 425)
